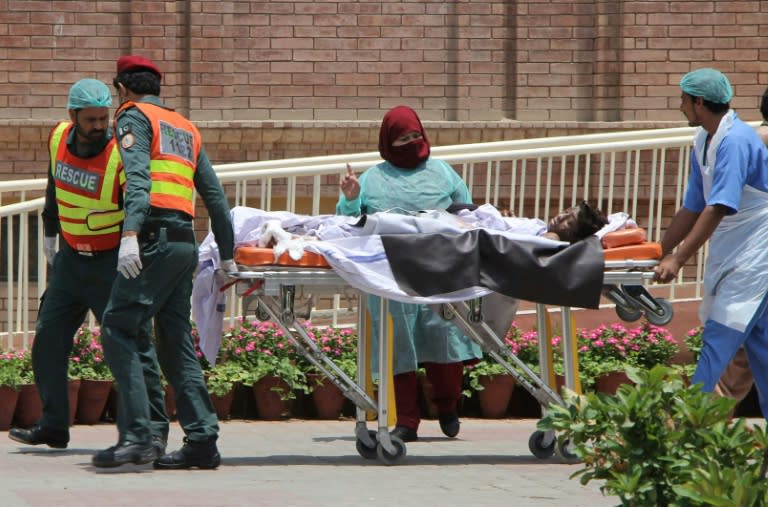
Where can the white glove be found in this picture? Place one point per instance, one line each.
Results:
(128, 259)
(49, 249)
(222, 273)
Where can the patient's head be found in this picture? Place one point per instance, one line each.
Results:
(577, 223)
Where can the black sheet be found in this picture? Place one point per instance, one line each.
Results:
(432, 264)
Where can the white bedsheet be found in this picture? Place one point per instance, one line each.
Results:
(355, 253)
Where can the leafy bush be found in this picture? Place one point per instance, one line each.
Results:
(613, 348)
(661, 443)
(262, 349)
(524, 345)
(221, 379)
(12, 369)
(693, 341)
(86, 360)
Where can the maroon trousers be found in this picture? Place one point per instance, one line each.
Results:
(446, 379)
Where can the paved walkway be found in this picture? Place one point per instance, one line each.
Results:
(303, 463)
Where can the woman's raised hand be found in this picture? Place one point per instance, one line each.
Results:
(349, 184)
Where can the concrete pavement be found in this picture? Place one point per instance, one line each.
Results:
(303, 463)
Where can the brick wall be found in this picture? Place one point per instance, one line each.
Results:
(23, 152)
(455, 60)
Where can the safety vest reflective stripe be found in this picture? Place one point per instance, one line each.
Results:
(170, 167)
(167, 170)
(172, 190)
(53, 142)
(77, 202)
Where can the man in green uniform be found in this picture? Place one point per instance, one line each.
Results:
(85, 180)
(164, 165)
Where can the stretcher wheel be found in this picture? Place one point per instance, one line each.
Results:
(391, 459)
(563, 450)
(261, 313)
(446, 312)
(662, 315)
(537, 447)
(365, 451)
(628, 314)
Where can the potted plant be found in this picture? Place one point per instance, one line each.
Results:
(493, 385)
(268, 358)
(87, 363)
(29, 407)
(10, 382)
(340, 345)
(221, 380)
(606, 351)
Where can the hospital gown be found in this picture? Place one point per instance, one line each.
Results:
(420, 335)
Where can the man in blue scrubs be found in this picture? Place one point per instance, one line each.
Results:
(726, 202)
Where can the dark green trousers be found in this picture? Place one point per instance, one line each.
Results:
(77, 284)
(162, 291)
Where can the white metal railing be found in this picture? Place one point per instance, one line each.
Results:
(640, 172)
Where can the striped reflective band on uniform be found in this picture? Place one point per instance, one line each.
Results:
(172, 185)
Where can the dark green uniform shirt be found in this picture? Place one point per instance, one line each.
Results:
(134, 137)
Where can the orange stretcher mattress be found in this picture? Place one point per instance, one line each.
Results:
(624, 237)
(255, 256)
(642, 251)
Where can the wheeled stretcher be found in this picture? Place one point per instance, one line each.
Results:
(274, 287)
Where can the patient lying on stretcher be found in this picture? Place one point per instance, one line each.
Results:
(571, 225)
(290, 233)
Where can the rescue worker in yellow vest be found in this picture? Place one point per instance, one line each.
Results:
(164, 164)
(83, 203)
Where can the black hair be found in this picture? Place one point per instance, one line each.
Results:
(764, 105)
(713, 107)
(589, 220)
(142, 82)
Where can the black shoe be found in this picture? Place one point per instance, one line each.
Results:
(192, 454)
(449, 423)
(37, 435)
(404, 433)
(159, 443)
(124, 452)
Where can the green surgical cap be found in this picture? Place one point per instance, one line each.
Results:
(709, 84)
(89, 93)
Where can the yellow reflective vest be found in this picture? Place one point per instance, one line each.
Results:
(87, 193)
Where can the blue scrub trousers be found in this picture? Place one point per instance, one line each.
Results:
(720, 344)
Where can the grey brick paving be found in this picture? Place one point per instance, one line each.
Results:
(303, 463)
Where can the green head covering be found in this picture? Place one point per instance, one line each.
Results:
(89, 93)
(709, 84)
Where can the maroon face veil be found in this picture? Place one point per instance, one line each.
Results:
(399, 121)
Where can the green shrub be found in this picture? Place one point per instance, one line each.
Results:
(660, 443)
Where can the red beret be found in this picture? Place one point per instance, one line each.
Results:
(134, 62)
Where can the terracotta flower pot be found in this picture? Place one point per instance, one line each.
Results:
(428, 406)
(223, 404)
(72, 394)
(8, 398)
(610, 382)
(170, 401)
(326, 397)
(269, 404)
(29, 408)
(92, 400)
(494, 398)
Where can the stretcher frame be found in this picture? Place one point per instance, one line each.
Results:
(274, 289)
